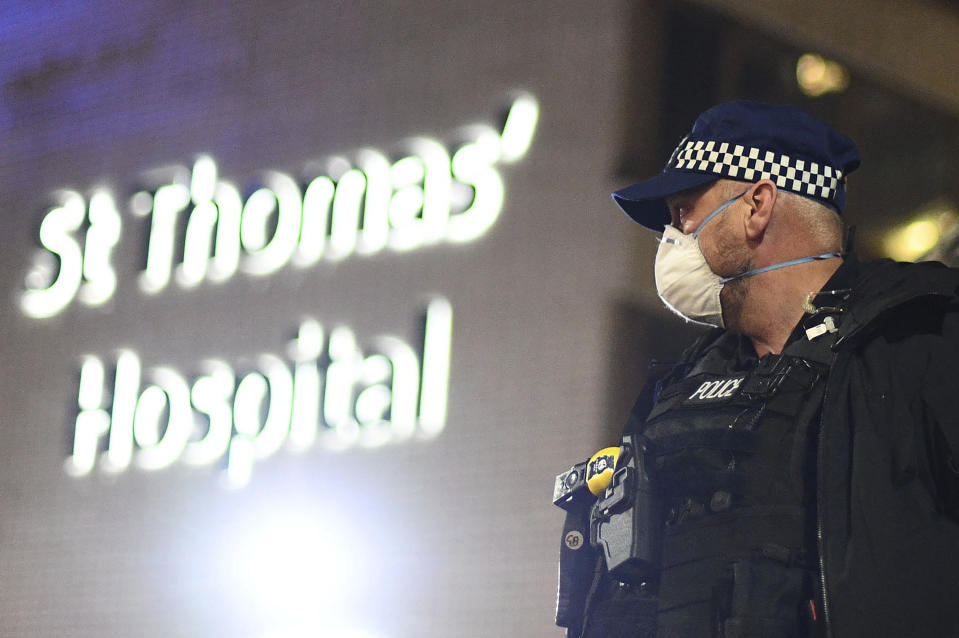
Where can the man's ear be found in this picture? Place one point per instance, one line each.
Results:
(761, 199)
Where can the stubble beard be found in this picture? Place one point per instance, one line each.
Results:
(734, 260)
(733, 300)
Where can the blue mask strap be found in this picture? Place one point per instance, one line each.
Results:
(723, 207)
(791, 262)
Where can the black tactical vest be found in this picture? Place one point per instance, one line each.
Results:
(730, 451)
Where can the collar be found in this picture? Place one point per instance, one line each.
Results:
(829, 301)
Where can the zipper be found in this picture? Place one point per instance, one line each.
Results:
(820, 543)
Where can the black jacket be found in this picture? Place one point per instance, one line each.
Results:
(888, 475)
(888, 455)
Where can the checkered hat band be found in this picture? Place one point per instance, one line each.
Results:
(752, 164)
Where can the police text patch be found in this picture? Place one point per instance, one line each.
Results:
(715, 391)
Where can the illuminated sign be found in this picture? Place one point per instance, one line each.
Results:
(83, 269)
(428, 196)
(199, 228)
(327, 391)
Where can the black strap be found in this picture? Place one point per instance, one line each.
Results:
(615, 610)
(753, 528)
(689, 481)
(725, 438)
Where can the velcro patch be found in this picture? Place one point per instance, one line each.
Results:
(715, 391)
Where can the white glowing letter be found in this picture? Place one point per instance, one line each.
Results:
(317, 201)
(196, 247)
(247, 406)
(346, 214)
(420, 207)
(56, 237)
(282, 195)
(102, 236)
(373, 401)
(211, 396)
(168, 202)
(406, 203)
(473, 165)
(277, 423)
(376, 223)
(341, 377)
(405, 385)
(519, 127)
(160, 449)
(436, 188)
(239, 467)
(226, 250)
(436, 366)
(93, 422)
(256, 439)
(305, 417)
(216, 206)
(126, 387)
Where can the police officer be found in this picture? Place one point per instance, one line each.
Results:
(802, 451)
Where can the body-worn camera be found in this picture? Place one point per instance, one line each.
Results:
(570, 490)
(623, 524)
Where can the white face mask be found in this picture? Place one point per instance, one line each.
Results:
(686, 283)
